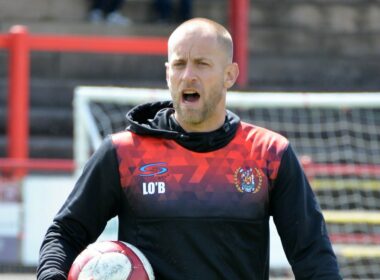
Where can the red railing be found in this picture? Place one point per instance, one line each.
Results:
(19, 43)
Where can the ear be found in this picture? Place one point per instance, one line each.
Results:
(230, 74)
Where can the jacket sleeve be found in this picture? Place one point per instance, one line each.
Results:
(300, 223)
(84, 215)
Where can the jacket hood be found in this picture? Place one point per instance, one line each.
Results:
(157, 119)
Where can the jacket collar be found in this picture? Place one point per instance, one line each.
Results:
(157, 119)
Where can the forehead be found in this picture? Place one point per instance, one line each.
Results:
(193, 43)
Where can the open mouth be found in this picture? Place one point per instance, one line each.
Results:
(190, 96)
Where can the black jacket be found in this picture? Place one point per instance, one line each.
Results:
(196, 204)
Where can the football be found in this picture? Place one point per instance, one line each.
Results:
(111, 260)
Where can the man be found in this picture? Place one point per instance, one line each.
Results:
(193, 186)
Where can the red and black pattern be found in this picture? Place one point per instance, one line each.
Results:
(202, 183)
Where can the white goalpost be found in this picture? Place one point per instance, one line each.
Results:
(336, 136)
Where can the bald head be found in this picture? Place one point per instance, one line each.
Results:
(204, 28)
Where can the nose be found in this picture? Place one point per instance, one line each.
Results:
(189, 75)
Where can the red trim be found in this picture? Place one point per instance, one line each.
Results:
(8, 164)
(18, 97)
(239, 25)
(356, 238)
(131, 45)
(4, 41)
(332, 169)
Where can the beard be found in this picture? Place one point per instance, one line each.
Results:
(196, 116)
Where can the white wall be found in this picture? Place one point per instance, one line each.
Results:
(43, 196)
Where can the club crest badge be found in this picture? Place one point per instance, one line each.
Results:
(248, 180)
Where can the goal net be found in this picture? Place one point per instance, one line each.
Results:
(335, 135)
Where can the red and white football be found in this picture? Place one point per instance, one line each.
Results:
(111, 260)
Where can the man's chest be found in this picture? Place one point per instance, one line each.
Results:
(169, 182)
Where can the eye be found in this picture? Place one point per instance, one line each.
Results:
(203, 63)
(179, 63)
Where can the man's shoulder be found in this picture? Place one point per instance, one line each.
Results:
(264, 146)
(262, 135)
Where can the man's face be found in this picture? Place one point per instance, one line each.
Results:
(195, 75)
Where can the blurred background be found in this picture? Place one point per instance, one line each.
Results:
(283, 46)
